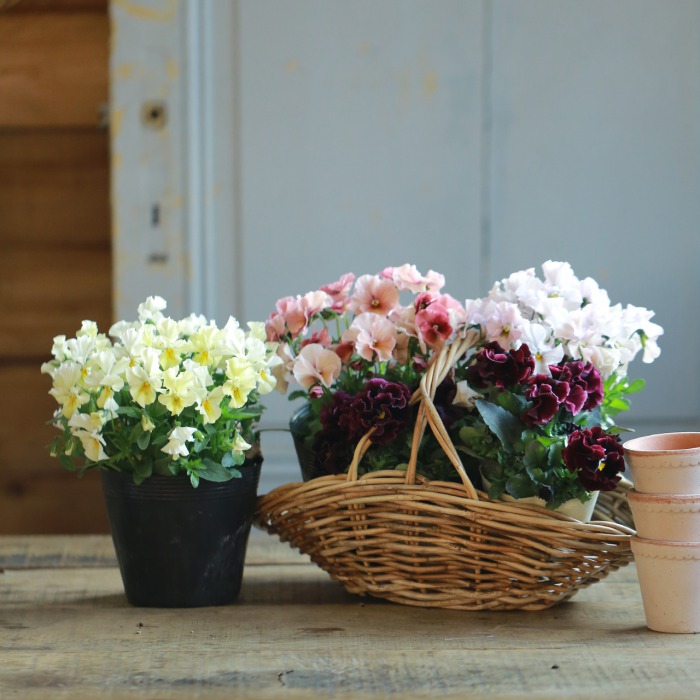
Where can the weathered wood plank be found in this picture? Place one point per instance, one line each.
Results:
(54, 188)
(294, 633)
(61, 551)
(53, 68)
(62, 6)
(48, 291)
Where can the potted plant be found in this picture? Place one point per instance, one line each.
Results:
(358, 348)
(167, 411)
(546, 387)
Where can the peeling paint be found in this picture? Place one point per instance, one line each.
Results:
(165, 13)
(172, 69)
(363, 47)
(116, 120)
(430, 84)
(292, 65)
(124, 71)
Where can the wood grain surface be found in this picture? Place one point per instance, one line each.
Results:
(66, 631)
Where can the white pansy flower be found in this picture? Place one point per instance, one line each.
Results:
(93, 445)
(541, 344)
(239, 444)
(257, 330)
(234, 337)
(151, 309)
(190, 324)
(176, 445)
(504, 324)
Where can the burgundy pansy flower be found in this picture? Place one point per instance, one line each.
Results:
(596, 457)
(382, 405)
(496, 367)
(546, 395)
(585, 382)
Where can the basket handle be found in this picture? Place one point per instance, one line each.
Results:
(438, 369)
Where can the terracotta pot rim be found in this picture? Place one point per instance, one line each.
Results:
(694, 437)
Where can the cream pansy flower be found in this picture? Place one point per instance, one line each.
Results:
(241, 380)
(66, 388)
(176, 445)
(145, 379)
(178, 390)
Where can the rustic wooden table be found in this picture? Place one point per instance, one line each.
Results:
(66, 631)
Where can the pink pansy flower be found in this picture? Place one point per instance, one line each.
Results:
(434, 281)
(458, 315)
(433, 323)
(405, 320)
(339, 291)
(292, 313)
(408, 279)
(275, 327)
(316, 364)
(375, 336)
(313, 303)
(319, 337)
(374, 295)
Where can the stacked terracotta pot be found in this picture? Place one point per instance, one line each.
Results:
(665, 503)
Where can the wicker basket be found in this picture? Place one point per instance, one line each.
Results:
(397, 536)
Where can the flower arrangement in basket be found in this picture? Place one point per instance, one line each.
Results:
(164, 397)
(520, 388)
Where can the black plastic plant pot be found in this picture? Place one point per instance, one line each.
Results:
(177, 546)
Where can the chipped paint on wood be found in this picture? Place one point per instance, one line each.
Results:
(163, 11)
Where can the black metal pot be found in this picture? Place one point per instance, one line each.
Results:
(178, 546)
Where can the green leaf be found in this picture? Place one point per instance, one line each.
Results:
(520, 486)
(636, 386)
(143, 440)
(129, 411)
(228, 460)
(213, 471)
(535, 455)
(503, 424)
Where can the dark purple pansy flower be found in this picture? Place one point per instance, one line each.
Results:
(494, 366)
(382, 405)
(596, 457)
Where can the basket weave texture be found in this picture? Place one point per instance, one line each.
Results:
(397, 536)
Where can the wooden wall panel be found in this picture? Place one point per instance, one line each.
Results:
(53, 188)
(36, 493)
(53, 68)
(55, 248)
(49, 291)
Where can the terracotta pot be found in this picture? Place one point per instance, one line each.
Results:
(669, 578)
(670, 517)
(665, 463)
